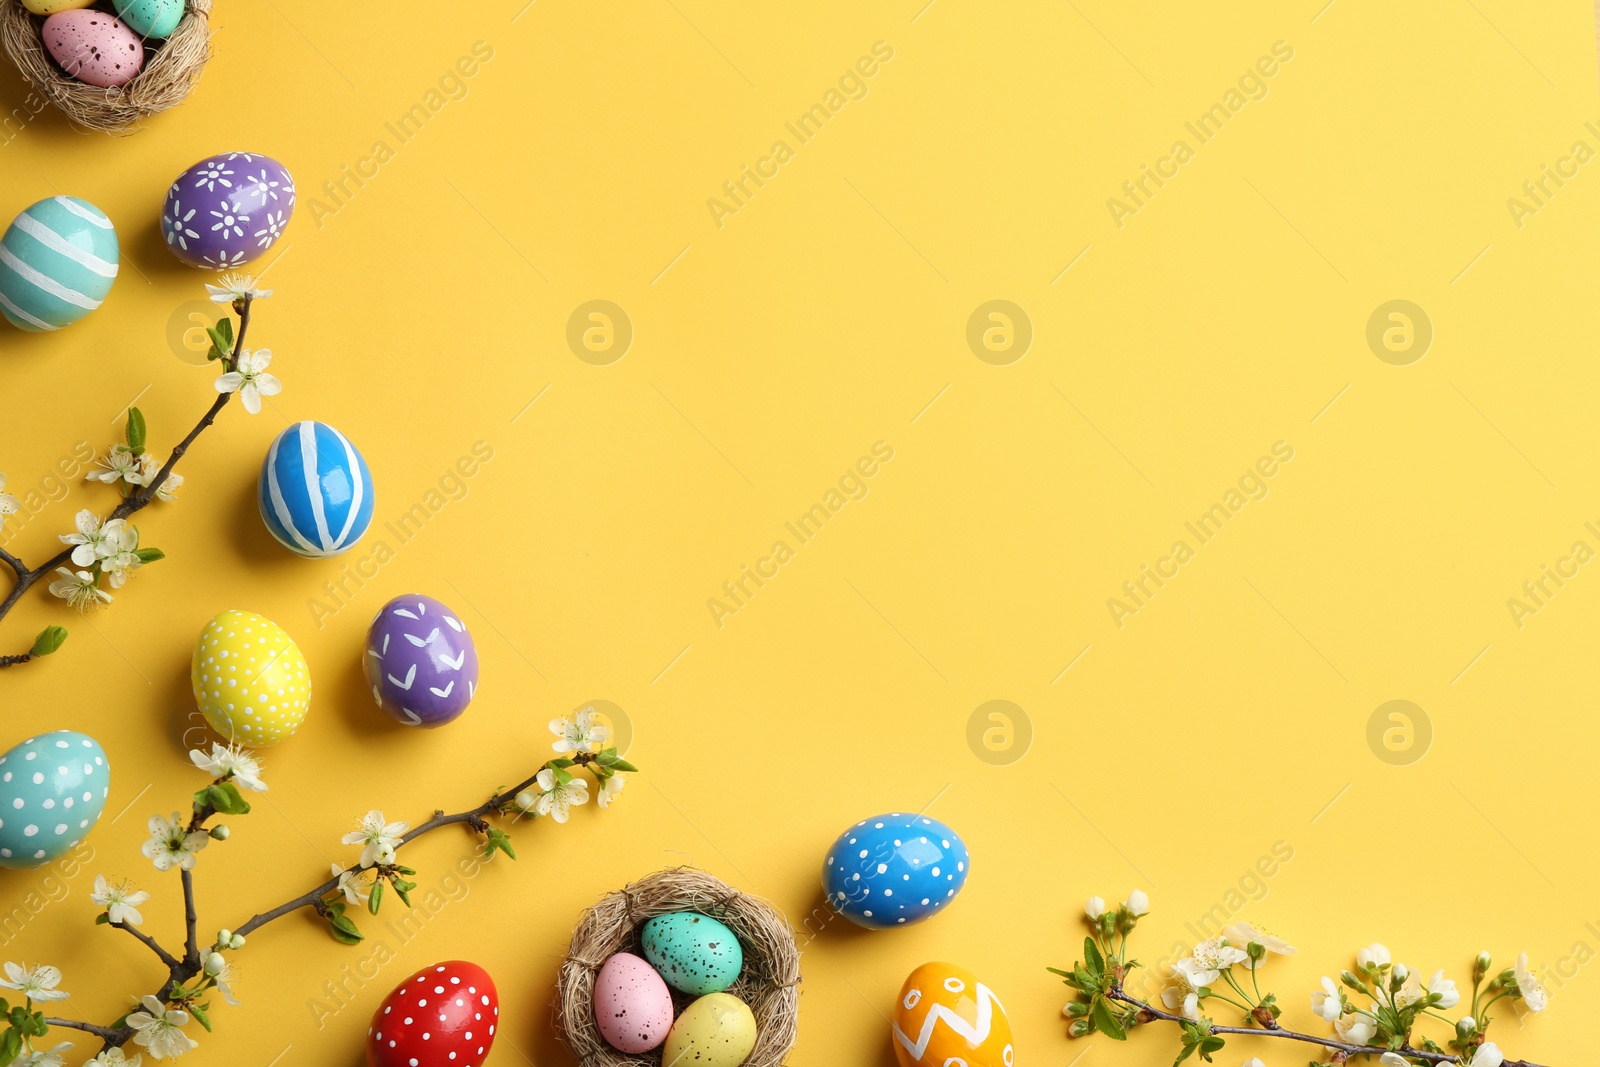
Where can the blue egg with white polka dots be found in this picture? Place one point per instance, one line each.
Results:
(894, 870)
(52, 790)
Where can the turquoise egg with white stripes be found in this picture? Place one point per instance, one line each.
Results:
(57, 262)
(316, 491)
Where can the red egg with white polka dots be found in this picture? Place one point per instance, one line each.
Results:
(445, 1015)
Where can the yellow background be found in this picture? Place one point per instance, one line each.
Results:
(1230, 713)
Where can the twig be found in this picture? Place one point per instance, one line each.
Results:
(180, 971)
(27, 577)
(1117, 993)
(151, 943)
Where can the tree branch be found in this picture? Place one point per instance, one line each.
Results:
(150, 943)
(191, 952)
(27, 577)
(1154, 1013)
(104, 1033)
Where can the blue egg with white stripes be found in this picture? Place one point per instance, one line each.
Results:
(894, 870)
(316, 491)
(57, 262)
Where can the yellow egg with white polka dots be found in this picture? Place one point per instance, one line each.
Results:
(250, 680)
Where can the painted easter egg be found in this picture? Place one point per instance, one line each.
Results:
(421, 662)
(94, 47)
(894, 869)
(717, 1030)
(946, 1016)
(50, 7)
(250, 680)
(151, 18)
(694, 953)
(315, 491)
(52, 790)
(57, 262)
(227, 209)
(632, 1005)
(442, 1016)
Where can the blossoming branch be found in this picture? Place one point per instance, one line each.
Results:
(1378, 1008)
(159, 1024)
(101, 555)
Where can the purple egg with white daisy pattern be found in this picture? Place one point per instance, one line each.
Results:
(227, 210)
(421, 661)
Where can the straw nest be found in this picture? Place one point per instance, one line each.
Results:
(768, 984)
(170, 71)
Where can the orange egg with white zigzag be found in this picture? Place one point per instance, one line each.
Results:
(945, 1017)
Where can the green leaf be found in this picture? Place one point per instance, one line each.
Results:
(1106, 1021)
(10, 1046)
(498, 841)
(403, 890)
(1183, 1054)
(342, 928)
(226, 799)
(200, 1016)
(135, 430)
(376, 897)
(102, 919)
(149, 555)
(1093, 962)
(221, 339)
(49, 639)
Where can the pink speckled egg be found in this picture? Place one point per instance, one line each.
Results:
(94, 47)
(632, 1005)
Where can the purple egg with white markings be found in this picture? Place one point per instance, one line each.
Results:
(421, 661)
(227, 210)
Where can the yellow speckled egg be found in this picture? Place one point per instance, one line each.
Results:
(50, 7)
(250, 680)
(717, 1030)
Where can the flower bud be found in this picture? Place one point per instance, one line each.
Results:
(220, 833)
(215, 963)
(1352, 981)
(1079, 1028)
(224, 935)
(1480, 966)
(1094, 908)
(527, 800)
(1466, 1026)
(236, 941)
(1138, 903)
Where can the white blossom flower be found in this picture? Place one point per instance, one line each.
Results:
(232, 762)
(1094, 907)
(1253, 1061)
(172, 845)
(378, 839)
(1138, 903)
(9, 505)
(119, 464)
(224, 977)
(114, 1057)
(1207, 961)
(79, 588)
(93, 540)
(1488, 1055)
(1532, 990)
(160, 1029)
(579, 734)
(149, 466)
(1391, 1059)
(1356, 1028)
(236, 287)
(1445, 989)
(1183, 1001)
(559, 797)
(119, 899)
(250, 379)
(351, 885)
(1243, 933)
(609, 790)
(37, 983)
(1374, 954)
(55, 1057)
(1325, 1002)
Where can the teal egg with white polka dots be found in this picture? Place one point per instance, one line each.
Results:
(52, 790)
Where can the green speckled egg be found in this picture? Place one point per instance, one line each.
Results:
(151, 18)
(694, 953)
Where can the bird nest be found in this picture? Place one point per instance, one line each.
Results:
(170, 71)
(768, 984)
